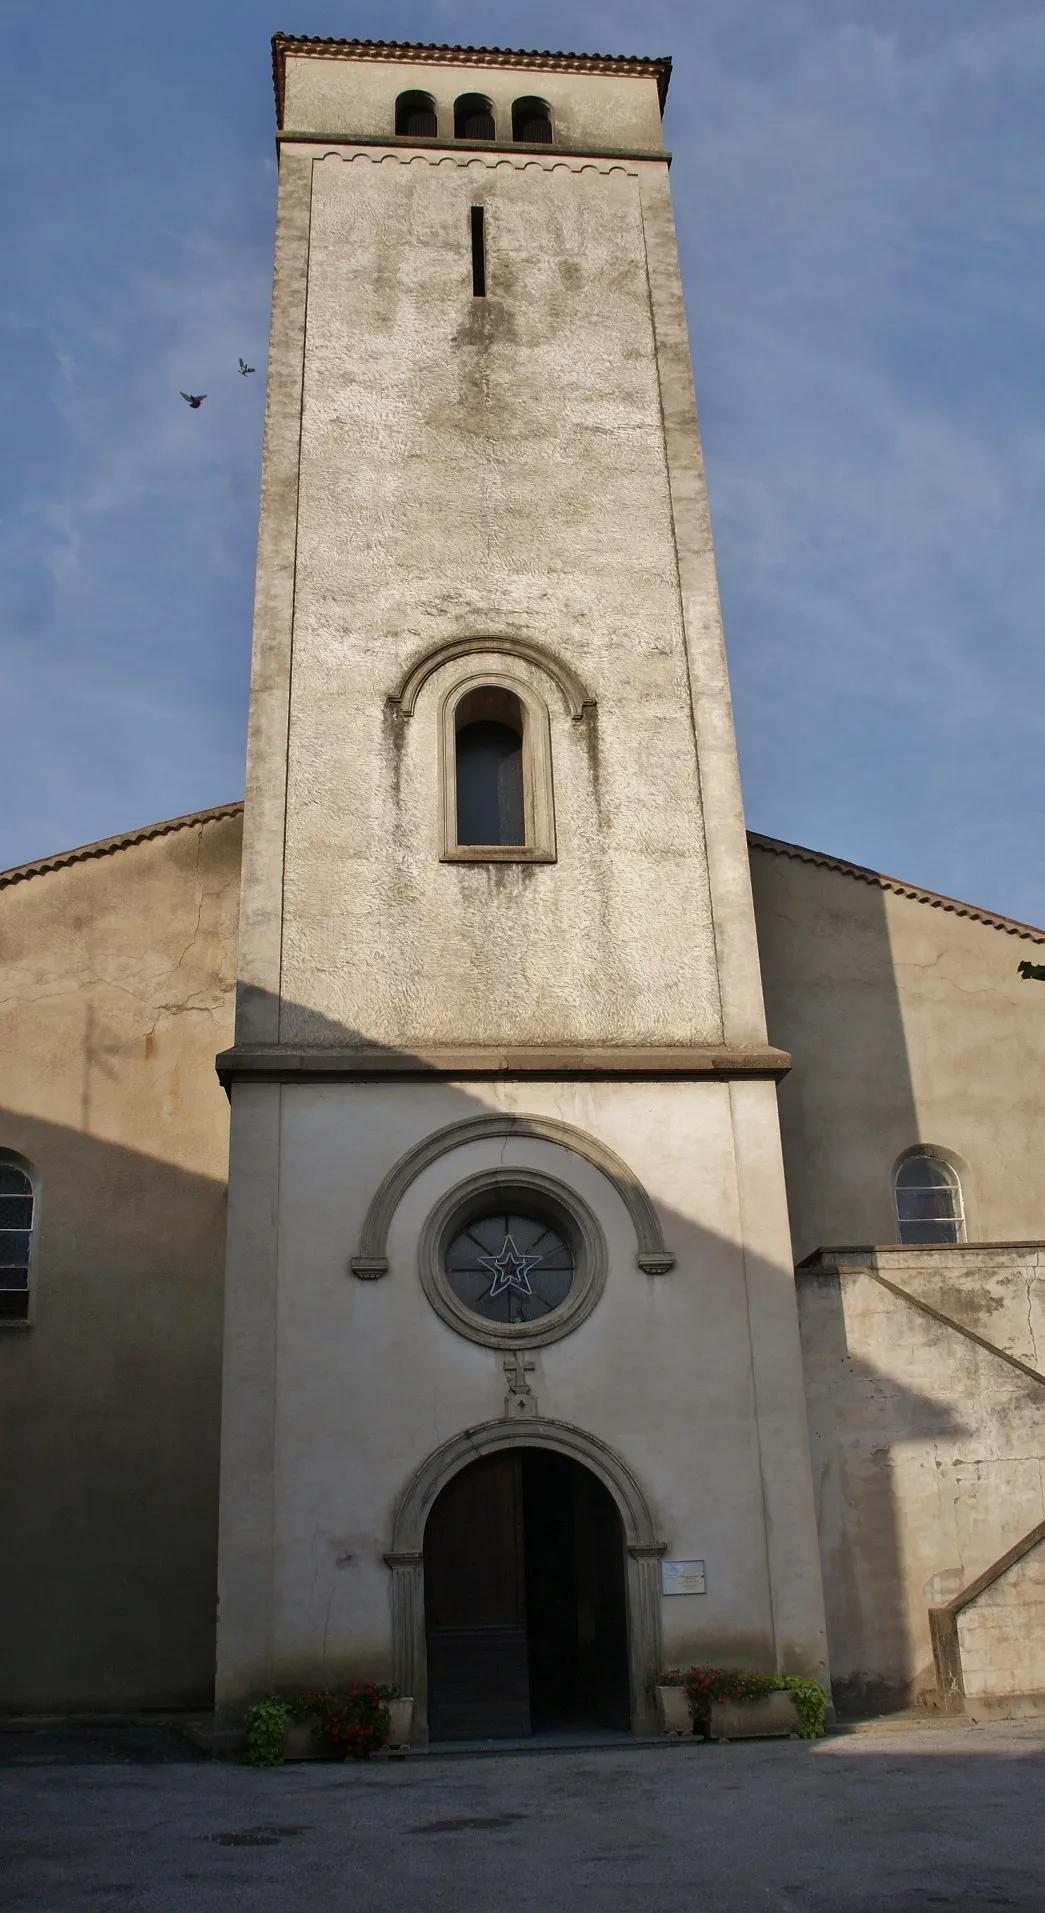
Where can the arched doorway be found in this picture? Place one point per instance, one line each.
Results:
(525, 1603)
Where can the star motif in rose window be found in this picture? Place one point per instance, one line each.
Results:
(509, 1269)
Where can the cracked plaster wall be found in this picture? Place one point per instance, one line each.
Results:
(928, 1457)
(116, 991)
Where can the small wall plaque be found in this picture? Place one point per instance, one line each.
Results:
(683, 1577)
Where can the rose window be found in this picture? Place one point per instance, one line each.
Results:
(510, 1267)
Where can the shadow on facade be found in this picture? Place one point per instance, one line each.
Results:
(111, 1414)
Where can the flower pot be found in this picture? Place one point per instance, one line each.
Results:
(774, 1714)
(401, 1715)
(303, 1741)
(674, 1710)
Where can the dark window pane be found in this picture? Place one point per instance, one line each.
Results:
(14, 1305)
(923, 1172)
(925, 1204)
(531, 120)
(415, 115)
(14, 1182)
(913, 1233)
(14, 1249)
(489, 785)
(510, 1267)
(16, 1212)
(473, 118)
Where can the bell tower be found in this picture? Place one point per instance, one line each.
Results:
(506, 1194)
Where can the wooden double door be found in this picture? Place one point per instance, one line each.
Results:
(524, 1600)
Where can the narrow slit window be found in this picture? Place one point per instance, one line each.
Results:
(489, 751)
(478, 252)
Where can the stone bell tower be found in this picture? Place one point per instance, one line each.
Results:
(513, 1398)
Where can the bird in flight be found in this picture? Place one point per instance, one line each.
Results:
(245, 368)
(195, 399)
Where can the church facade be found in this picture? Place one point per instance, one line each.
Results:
(520, 1399)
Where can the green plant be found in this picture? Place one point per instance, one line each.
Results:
(810, 1703)
(263, 1726)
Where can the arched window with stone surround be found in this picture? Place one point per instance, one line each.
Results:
(532, 122)
(17, 1203)
(929, 1207)
(416, 116)
(473, 117)
(496, 769)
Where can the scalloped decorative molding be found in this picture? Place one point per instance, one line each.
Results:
(578, 698)
(653, 1257)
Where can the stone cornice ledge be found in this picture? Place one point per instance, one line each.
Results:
(286, 1062)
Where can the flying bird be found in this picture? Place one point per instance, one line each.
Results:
(195, 399)
(245, 368)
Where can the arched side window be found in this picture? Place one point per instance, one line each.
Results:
(16, 1241)
(928, 1201)
(473, 117)
(416, 116)
(496, 772)
(532, 122)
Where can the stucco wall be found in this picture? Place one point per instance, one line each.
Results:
(928, 1452)
(501, 464)
(1002, 1636)
(117, 975)
(908, 1023)
(689, 1376)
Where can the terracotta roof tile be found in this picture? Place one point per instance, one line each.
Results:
(862, 875)
(106, 845)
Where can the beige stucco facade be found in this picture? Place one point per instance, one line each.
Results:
(503, 490)
(118, 972)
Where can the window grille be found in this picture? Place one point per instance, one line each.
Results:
(16, 1235)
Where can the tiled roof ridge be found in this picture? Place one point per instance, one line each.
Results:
(1011, 925)
(440, 54)
(106, 845)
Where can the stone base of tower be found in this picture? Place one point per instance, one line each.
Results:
(653, 1415)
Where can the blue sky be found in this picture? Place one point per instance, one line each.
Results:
(860, 194)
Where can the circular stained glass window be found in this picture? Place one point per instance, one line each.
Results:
(507, 1266)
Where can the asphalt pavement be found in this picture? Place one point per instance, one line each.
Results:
(893, 1819)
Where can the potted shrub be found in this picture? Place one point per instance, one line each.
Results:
(725, 1703)
(355, 1723)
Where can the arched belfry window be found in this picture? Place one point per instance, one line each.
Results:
(17, 1201)
(489, 755)
(929, 1205)
(473, 117)
(496, 771)
(416, 116)
(532, 122)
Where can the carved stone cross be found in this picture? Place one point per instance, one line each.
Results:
(520, 1403)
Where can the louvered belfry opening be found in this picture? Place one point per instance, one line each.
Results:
(473, 117)
(532, 122)
(416, 116)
